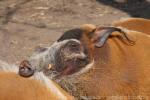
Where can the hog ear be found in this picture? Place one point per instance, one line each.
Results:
(101, 35)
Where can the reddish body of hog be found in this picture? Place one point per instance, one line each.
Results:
(119, 69)
(99, 62)
(38, 87)
(136, 24)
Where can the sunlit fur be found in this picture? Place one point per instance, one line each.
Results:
(136, 24)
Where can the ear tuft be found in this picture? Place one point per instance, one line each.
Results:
(88, 27)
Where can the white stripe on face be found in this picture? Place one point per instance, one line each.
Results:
(40, 60)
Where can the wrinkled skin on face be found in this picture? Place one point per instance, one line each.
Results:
(70, 58)
(65, 57)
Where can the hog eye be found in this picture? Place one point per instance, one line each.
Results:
(74, 45)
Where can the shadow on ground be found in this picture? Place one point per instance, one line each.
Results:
(135, 8)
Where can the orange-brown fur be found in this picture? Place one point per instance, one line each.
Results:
(119, 69)
(136, 24)
(15, 87)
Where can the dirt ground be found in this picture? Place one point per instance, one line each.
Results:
(26, 24)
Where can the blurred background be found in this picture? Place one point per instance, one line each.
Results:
(26, 24)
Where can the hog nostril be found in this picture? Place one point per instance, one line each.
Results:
(26, 71)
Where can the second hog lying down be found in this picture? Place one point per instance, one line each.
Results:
(99, 61)
(37, 87)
